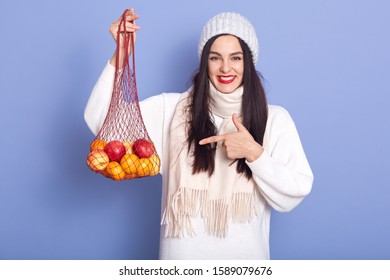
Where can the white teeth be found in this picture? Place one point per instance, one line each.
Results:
(226, 78)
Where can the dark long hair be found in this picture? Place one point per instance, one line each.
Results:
(200, 123)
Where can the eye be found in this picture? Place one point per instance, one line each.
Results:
(236, 58)
(214, 58)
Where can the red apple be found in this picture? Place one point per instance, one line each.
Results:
(143, 148)
(115, 150)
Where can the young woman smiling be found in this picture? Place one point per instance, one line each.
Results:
(227, 156)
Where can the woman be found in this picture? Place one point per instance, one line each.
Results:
(227, 157)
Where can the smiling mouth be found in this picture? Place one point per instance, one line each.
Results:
(226, 79)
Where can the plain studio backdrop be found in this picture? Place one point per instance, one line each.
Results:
(326, 62)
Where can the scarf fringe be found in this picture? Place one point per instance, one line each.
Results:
(187, 203)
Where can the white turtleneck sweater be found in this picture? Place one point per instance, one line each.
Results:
(282, 174)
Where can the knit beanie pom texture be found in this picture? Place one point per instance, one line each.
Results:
(234, 24)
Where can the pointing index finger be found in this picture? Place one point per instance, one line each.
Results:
(212, 139)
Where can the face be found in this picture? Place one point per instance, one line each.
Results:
(226, 64)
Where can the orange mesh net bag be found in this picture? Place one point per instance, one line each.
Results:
(122, 149)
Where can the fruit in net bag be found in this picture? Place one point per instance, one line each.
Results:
(97, 160)
(97, 144)
(143, 148)
(128, 145)
(115, 171)
(115, 150)
(122, 149)
(130, 163)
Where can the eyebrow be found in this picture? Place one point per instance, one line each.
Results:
(232, 54)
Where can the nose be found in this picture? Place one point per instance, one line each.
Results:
(225, 66)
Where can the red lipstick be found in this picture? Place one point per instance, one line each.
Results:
(226, 79)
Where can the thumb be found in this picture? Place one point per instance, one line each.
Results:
(237, 123)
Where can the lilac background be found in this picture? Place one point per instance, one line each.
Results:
(327, 62)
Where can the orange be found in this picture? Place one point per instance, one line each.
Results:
(145, 167)
(155, 165)
(98, 144)
(128, 145)
(115, 171)
(130, 176)
(97, 160)
(105, 173)
(130, 163)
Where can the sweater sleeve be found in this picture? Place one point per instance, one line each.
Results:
(97, 106)
(282, 172)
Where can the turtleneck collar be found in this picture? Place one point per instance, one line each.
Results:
(225, 104)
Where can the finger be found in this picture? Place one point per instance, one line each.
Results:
(132, 17)
(212, 139)
(237, 123)
(129, 30)
(130, 11)
(129, 16)
(130, 27)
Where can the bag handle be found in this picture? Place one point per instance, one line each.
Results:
(128, 41)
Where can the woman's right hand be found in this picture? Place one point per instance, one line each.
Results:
(130, 26)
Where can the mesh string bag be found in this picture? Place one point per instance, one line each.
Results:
(122, 149)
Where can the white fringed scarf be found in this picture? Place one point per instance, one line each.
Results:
(225, 196)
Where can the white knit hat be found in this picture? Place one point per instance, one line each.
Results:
(234, 24)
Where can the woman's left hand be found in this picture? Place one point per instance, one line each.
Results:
(239, 144)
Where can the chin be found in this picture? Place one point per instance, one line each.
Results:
(227, 89)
